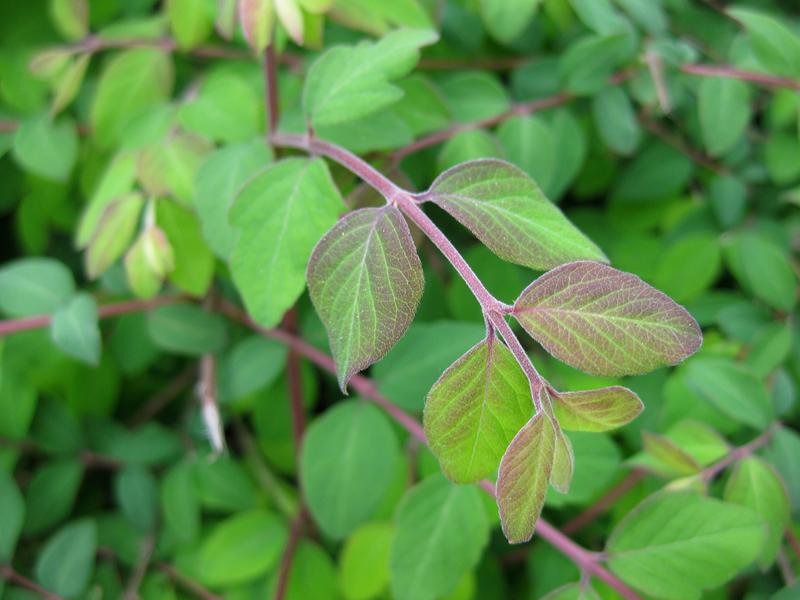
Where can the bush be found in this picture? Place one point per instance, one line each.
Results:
(323, 299)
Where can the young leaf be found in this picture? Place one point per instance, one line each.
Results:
(755, 484)
(563, 456)
(475, 409)
(523, 477)
(75, 330)
(347, 463)
(668, 453)
(365, 280)
(674, 545)
(113, 233)
(441, 530)
(280, 215)
(148, 261)
(71, 18)
(596, 410)
(69, 83)
(348, 82)
(507, 211)
(732, 388)
(34, 286)
(66, 562)
(257, 18)
(168, 166)
(724, 106)
(605, 322)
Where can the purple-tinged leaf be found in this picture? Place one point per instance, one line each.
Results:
(596, 410)
(606, 322)
(257, 18)
(506, 210)
(563, 456)
(365, 280)
(524, 474)
(676, 460)
(475, 409)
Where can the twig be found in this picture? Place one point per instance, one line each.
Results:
(164, 396)
(794, 543)
(295, 533)
(145, 555)
(103, 312)
(187, 583)
(499, 63)
(679, 144)
(271, 89)
(295, 384)
(738, 453)
(207, 391)
(734, 73)
(604, 502)
(8, 573)
(656, 67)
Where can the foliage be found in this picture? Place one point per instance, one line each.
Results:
(549, 246)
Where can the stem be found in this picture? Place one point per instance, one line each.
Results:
(295, 385)
(207, 390)
(734, 73)
(135, 581)
(739, 453)
(604, 502)
(271, 89)
(166, 395)
(285, 570)
(8, 573)
(680, 145)
(522, 357)
(187, 583)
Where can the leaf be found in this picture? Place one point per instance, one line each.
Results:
(193, 266)
(572, 591)
(252, 364)
(168, 166)
(364, 561)
(65, 564)
(441, 531)
(756, 485)
(596, 461)
(507, 19)
(507, 211)
(782, 158)
(728, 198)
(148, 261)
(71, 18)
(225, 486)
(180, 504)
(69, 84)
(348, 82)
(529, 144)
(136, 493)
(763, 269)
(596, 410)
(186, 329)
(689, 267)
(217, 183)
(33, 286)
(605, 322)
(656, 172)
(770, 348)
(475, 95)
(588, 63)
(615, 119)
(113, 233)
(670, 454)
(312, 575)
(724, 106)
(280, 215)
(475, 409)
(467, 145)
(523, 477)
(347, 464)
(563, 468)
(776, 47)
(422, 106)
(45, 147)
(12, 515)
(674, 545)
(291, 18)
(365, 280)
(131, 82)
(732, 389)
(75, 329)
(257, 18)
(241, 548)
(190, 22)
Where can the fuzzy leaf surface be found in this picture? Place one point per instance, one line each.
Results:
(365, 280)
(603, 409)
(604, 321)
(475, 409)
(506, 210)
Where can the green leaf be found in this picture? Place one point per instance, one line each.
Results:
(657, 172)
(728, 198)
(769, 348)
(467, 145)
(674, 545)
(180, 504)
(615, 119)
(190, 21)
(563, 468)
(348, 82)
(724, 106)
(572, 591)
(475, 95)
(186, 329)
(507, 19)
(252, 364)
(364, 561)
(280, 215)
(149, 445)
(131, 82)
(365, 280)
(75, 329)
(669, 454)
(168, 166)
(529, 144)
(312, 575)
(596, 410)
(507, 211)
(148, 261)
(33, 286)
(65, 564)
(731, 388)
(441, 531)
(689, 267)
(605, 322)
(113, 233)
(257, 18)
(475, 409)
(597, 462)
(193, 261)
(523, 477)
(45, 147)
(12, 515)
(763, 269)
(241, 548)
(422, 106)
(776, 47)
(217, 184)
(587, 64)
(347, 464)
(71, 18)
(600, 16)
(69, 84)
(224, 486)
(756, 485)
(782, 158)
(136, 492)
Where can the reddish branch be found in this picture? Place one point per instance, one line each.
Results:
(739, 453)
(734, 73)
(604, 503)
(295, 533)
(679, 144)
(9, 574)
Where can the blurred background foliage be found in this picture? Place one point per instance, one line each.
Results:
(668, 130)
